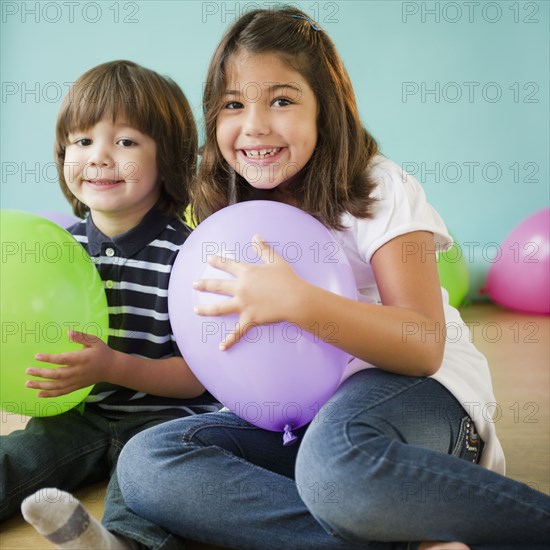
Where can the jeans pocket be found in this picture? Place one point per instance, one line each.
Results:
(469, 445)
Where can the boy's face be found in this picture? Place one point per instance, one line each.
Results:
(112, 169)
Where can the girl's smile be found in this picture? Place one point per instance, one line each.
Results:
(267, 128)
(261, 156)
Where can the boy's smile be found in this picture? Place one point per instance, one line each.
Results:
(112, 168)
(102, 182)
(267, 128)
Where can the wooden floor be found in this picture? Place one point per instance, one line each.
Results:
(517, 347)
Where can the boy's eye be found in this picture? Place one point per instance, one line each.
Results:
(84, 142)
(125, 142)
(233, 105)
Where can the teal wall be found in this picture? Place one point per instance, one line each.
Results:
(457, 92)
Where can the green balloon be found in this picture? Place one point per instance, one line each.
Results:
(49, 285)
(453, 274)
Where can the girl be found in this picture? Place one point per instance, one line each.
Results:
(400, 454)
(126, 149)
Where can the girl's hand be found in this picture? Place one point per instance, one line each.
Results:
(260, 293)
(79, 369)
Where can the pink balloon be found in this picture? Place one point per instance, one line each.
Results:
(278, 376)
(519, 279)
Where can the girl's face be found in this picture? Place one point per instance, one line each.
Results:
(112, 169)
(267, 128)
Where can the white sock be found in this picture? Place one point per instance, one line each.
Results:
(60, 518)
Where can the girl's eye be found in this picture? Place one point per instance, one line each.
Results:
(233, 105)
(125, 142)
(84, 142)
(282, 102)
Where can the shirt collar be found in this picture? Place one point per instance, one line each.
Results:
(132, 241)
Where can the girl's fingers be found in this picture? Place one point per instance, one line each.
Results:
(236, 335)
(225, 264)
(216, 286)
(228, 287)
(215, 310)
(268, 254)
(228, 342)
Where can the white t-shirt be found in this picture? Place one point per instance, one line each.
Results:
(401, 207)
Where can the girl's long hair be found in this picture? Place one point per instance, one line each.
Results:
(335, 180)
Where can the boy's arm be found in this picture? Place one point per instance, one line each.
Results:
(97, 362)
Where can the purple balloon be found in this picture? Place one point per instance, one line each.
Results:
(60, 218)
(519, 279)
(278, 376)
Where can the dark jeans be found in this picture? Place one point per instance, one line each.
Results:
(73, 449)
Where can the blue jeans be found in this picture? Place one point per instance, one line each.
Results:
(70, 450)
(389, 461)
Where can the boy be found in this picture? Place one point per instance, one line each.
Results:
(126, 151)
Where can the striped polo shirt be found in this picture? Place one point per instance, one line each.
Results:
(135, 269)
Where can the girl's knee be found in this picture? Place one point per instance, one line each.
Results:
(345, 509)
(155, 458)
(142, 465)
(317, 472)
(341, 485)
(133, 470)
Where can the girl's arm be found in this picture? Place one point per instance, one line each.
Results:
(97, 362)
(405, 335)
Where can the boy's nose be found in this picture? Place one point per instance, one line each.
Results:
(100, 163)
(100, 156)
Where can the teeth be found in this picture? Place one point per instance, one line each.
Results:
(261, 153)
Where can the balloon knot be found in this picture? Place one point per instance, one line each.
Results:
(288, 437)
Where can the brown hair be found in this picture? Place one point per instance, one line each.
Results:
(335, 179)
(153, 104)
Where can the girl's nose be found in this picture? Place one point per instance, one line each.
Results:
(257, 121)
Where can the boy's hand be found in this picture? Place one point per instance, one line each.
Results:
(80, 369)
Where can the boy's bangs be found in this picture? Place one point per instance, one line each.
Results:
(90, 102)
